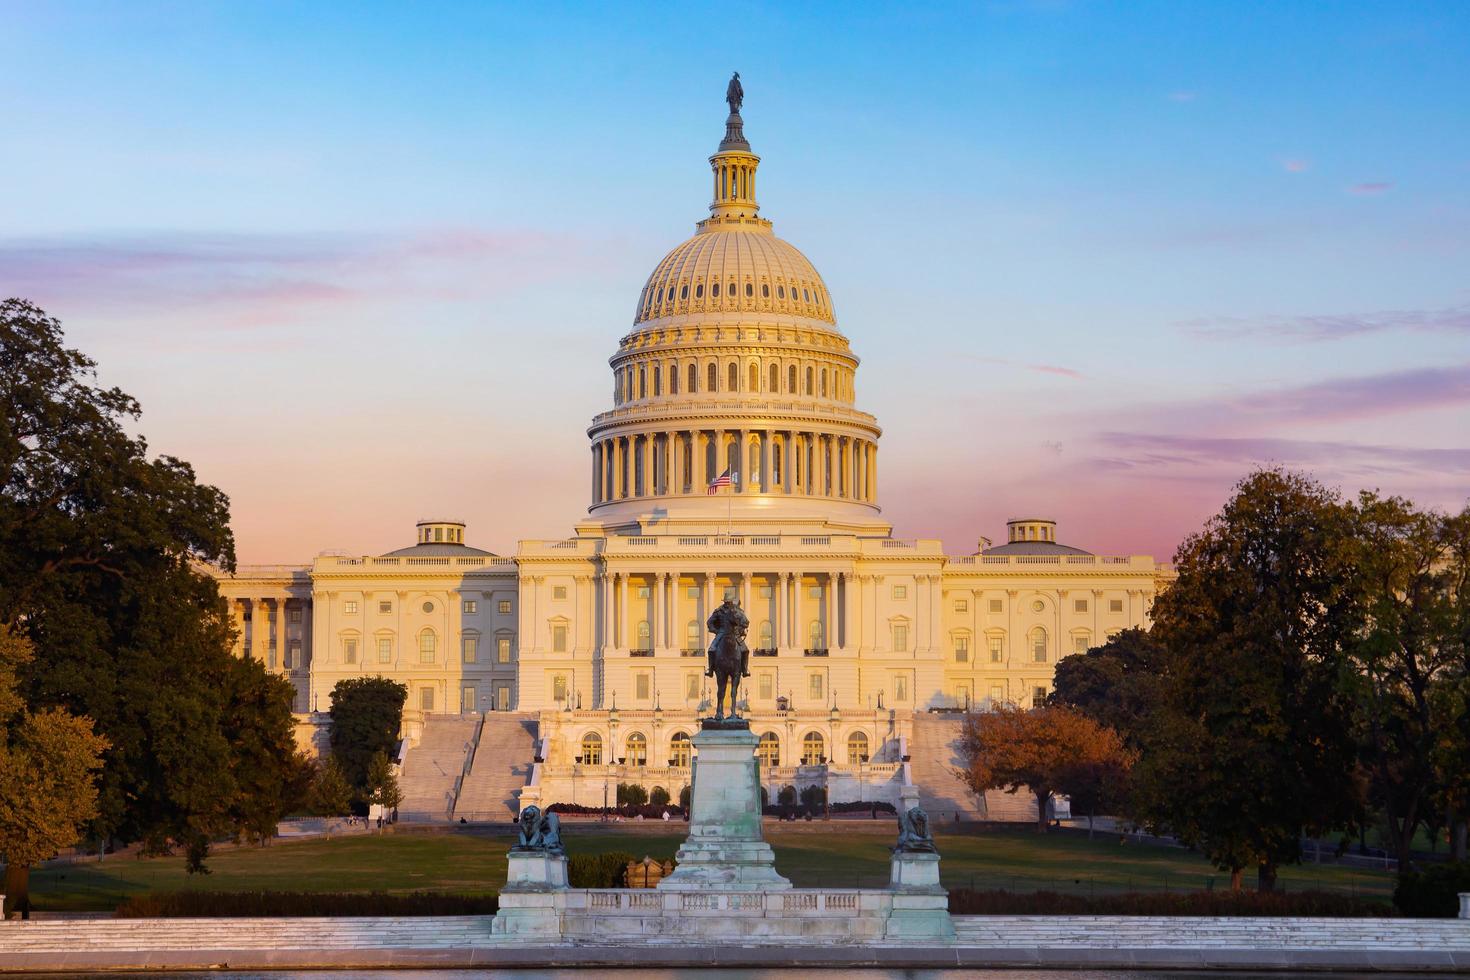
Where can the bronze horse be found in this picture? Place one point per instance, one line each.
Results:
(729, 657)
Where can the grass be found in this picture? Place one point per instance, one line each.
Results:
(469, 863)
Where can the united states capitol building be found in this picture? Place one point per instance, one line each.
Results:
(733, 461)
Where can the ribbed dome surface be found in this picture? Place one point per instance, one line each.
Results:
(747, 270)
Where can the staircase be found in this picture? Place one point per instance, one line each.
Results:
(433, 766)
(501, 768)
(934, 755)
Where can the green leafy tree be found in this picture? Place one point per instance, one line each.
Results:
(1450, 701)
(383, 783)
(48, 765)
(631, 794)
(659, 796)
(102, 554)
(1252, 744)
(270, 775)
(367, 714)
(1040, 750)
(1117, 684)
(331, 793)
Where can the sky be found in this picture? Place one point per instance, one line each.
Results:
(365, 263)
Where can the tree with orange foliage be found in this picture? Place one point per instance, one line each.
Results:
(1045, 750)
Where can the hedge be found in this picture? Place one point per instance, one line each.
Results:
(607, 870)
(963, 901)
(1432, 892)
(187, 904)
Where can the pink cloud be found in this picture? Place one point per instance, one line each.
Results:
(1332, 326)
(1295, 165)
(1182, 96)
(1375, 187)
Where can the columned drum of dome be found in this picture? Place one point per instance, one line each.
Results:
(735, 366)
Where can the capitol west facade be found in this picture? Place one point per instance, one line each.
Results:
(734, 365)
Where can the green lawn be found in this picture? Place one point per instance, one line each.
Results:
(472, 863)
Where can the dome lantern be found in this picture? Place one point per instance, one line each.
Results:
(734, 165)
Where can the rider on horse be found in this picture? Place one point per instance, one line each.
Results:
(729, 657)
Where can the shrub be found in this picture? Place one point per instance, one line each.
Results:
(167, 905)
(1433, 892)
(852, 806)
(963, 901)
(786, 796)
(685, 795)
(606, 870)
(648, 811)
(814, 797)
(631, 794)
(659, 797)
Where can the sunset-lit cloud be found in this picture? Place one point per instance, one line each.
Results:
(1332, 326)
(1370, 188)
(1296, 165)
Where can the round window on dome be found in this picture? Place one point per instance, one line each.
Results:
(1038, 606)
(428, 607)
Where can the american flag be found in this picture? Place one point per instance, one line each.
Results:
(725, 479)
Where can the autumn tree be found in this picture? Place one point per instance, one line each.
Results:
(103, 567)
(48, 765)
(1042, 750)
(1252, 744)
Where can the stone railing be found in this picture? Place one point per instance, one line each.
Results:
(1142, 562)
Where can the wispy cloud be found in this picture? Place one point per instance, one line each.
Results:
(1146, 451)
(1370, 188)
(1182, 96)
(1331, 326)
(1054, 369)
(1296, 165)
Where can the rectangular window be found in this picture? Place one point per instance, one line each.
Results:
(900, 636)
(1079, 605)
(426, 647)
(559, 639)
(559, 687)
(900, 687)
(728, 593)
(767, 686)
(293, 615)
(997, 649)
(467, 699)
(962, 605)
(1038, 696)
(1080, 643)
(502, 697)
(385, 650)
(900, 592)
(962, 649)
(996, 606)
(471, 648)
(502, 650)
(349, 651)
(559, 592)
(814, 686)
(640, 687)
(469, 607)
(1115, 605)
(350, 607)
(643, 592)
(426, 698)
(814, 592)
(691, 687)
(692, 592)
(385, 607)
(505, 607)
(293, 654)
(766, 592)
(997, 693)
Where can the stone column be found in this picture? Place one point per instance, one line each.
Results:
(656, 627)
(745, 593)
(606, 590)
(798, 609)
(829, 628)
(849, 613)
(596, 473)
(742, 463)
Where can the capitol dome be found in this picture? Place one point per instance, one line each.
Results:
(734, 394)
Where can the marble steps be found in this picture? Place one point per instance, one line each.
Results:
(79, 935)
(934, 754)
(431, 767)
(501, 768)
(1115, 932)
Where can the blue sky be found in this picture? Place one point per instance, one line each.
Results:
(1099, 258)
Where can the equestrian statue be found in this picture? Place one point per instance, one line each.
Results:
(729, 657)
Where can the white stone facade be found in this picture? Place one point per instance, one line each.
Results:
(734, 369)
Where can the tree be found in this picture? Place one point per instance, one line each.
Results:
(102, 555)
(48, 763)
(367, 713)
(631, 794)
(270, 775)
(331, 794)
(1450, 702)
(1404, 651)
(659, 796)
(1252, 746)
(1116, 684)
(383, 784)
(1040, 749)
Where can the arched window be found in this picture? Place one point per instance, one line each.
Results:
(857, 748)
(671, 294)
(674, 378)
(699, 291)
(1038, 645)
(734, 373)
(592, 749)
(767, 635)
(755, 465)
(693, 635)
(637, 749)
(642, 383)
(693, 378)
(813, 749)
(714, 291)
(684, 291)
(679, 749)
(712, 383)
(732, 288)
(768, 751)
(815, 633)
(657, 381)
(780, 292)
(645, 635)
(811, 377)
(428, 646)
(776, 461)
(775, 379)
(765, 290)
(806, 295)
(791, 379)
(749, 290)
(824, 382)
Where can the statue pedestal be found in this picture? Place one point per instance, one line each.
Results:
(920, 906)
(535, 871)
(532, 901)
(725, 849)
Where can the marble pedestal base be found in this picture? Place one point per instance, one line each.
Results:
(725, 849)
(533, 899)
(920, 907)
